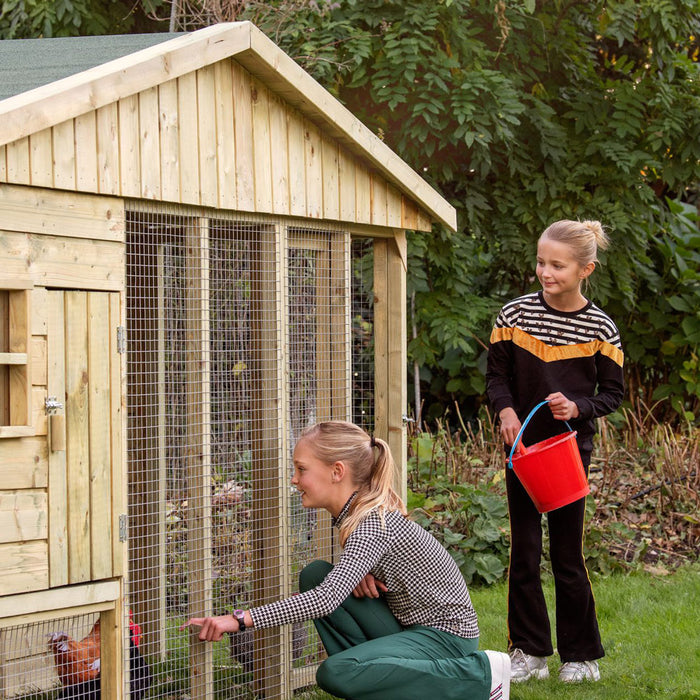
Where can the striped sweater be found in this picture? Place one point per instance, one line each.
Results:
(536, 350)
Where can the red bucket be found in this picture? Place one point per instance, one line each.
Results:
(551, 471)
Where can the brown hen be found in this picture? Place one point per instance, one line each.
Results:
(76, 661)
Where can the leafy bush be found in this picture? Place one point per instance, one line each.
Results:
(457, 493)
(522, 113)
(471, 523)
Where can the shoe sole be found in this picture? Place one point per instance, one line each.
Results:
(585, 679)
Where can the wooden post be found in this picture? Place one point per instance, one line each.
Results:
(397, 355)
(341, 336)
(270, 463)
(198, 451)
(381, 328)
(390, 348)
(112, 679)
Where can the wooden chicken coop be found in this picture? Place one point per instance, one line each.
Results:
(201, 253)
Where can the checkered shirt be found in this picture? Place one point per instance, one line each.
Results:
(425, 585)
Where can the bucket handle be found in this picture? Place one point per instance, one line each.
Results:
(522, 430)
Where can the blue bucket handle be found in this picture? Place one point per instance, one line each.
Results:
(522, 430)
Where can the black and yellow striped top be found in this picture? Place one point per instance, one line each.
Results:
(536, 350)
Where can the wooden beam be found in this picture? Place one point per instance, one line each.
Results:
(270, 472)
(198, 452)
(390, 349)
(397, 356)
(57, 599)
(57, 478)
(50, 212)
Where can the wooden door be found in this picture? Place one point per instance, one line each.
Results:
(85, 493)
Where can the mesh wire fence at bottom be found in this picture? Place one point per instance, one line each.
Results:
(57, 658)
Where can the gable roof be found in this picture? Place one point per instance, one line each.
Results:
(70, 94)
(31, 63)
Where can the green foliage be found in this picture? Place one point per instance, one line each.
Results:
(455, 494)
(642, 512)
(25, 19)
(471, 523)
(522, 113)
(663, 331)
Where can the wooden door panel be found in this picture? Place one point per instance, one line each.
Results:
(84, 375)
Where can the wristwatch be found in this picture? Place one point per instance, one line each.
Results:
(240, 618)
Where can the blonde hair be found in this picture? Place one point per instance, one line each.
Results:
(371, 466)
(584, 238)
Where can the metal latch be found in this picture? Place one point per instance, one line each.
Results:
(123, 529)
(52, 404)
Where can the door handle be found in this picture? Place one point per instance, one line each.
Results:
(57, 424)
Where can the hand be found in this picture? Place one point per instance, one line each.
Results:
(212, 629)
(510, 425)
(369, 587)
(561, 407)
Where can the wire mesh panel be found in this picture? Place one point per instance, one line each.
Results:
(55, 657)
(62, 658)
(238, 337)
(362, 296)
(318, 385)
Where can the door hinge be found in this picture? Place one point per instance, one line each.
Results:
(121, 340)
(123, 528)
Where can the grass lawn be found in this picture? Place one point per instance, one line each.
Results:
(651, 634)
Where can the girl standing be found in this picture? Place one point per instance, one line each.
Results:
(419, 638)
(554, 345)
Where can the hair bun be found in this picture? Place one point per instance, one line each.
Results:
(596, 228)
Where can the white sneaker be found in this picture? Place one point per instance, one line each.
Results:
(525, 666)
(500, 675)
(577, 671)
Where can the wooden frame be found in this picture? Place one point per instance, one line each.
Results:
(390, 347)
(15, 359)
(198, 449)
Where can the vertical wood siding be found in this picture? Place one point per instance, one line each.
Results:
(216, 137)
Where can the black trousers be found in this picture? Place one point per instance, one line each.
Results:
(578, 637)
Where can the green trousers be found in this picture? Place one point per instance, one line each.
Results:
(372, 657)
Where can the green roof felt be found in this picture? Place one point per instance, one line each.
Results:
(29, 63)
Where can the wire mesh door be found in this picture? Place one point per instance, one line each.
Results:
(238, 337)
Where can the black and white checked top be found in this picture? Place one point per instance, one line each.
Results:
(425, 585)
(536, 350)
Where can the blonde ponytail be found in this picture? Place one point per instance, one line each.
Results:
(376, 492)
(371, 466)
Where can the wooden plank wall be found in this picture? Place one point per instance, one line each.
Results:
(51, 239)
(218, 138)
